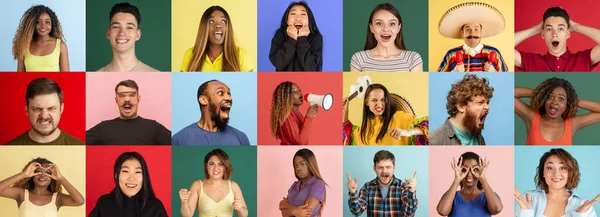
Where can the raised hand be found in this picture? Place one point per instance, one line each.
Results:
(524, 203)
(184, 195)
(459, 172)
(412, 183)
(587, 204)
(33, 169)
(292, 32)
(488, 67)
(352, 184)
(460, 67)
(479, 171)
(237, 205)
(54, 172)
(312, 110)
(398, 133)
(304, 31)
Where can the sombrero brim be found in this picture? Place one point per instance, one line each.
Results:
(489, 17)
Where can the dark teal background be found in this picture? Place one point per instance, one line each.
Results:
(414, 26)
(586, 87)
(153, 48)
(188, 166)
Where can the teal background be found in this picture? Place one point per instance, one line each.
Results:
(414, 26)
(153, 48)
(586, 87)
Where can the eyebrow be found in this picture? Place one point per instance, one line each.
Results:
(128, 23)
(128, 167)
(562, 162)
(394, 19)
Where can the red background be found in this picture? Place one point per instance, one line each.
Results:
(326, 127)
(531, 12)
(13, 85)
(99, 171)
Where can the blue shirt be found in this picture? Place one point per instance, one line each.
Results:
(474, 208)
(194, 135)
(538, 205)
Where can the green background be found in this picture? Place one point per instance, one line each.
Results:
(153, 48)
(586, 87)
(188, 166)
(414, 26)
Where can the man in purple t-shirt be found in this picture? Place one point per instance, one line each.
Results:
(555, 29)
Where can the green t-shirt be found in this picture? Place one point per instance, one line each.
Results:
(63, 139)
(465, 138)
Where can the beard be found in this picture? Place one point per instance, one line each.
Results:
(54, 127)
(470, 122)
(216, 117)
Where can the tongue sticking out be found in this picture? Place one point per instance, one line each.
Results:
(218, 35)
(298, 26)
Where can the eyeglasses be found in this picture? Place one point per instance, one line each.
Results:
(123, 95)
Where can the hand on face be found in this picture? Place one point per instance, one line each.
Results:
(32, 169)
(460, 172)
(292, 32)
(588, 204)
(184, 195)
(524, 203)
(304, 31)
(54, 172)
(412, 183)
(479, 171)
(352, 184)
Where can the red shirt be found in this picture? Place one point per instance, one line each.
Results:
(568, 62)
(295, 129)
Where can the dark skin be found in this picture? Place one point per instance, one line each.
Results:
(219, 94)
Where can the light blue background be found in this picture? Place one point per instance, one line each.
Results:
(358, 161)
(527, 159)
(499, 124)
(70, 13)
(186, 109)
(328, 15)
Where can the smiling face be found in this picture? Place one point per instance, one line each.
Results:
(127, 99)
(123, 32)
(131, 177)
(376, 102)
(471, 33)
(43, 26)
(42, 180)
(475, 113)
(556, 104)
(217, 27)
(385, 171)
(297, 17)
(385, 27)
(555, 35)
(44, 113)
(556, 173)
(472, 166)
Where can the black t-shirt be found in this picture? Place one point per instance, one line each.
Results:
(107, 206)
(137, 131)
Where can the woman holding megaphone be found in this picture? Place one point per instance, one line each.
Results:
(383, 123)
(287, 123)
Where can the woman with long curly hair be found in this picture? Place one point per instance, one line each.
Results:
(551, 118)
(215, 49)
(40, 182)
(39, 42)
(287, 123)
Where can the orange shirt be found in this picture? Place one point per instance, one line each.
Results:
(535, 134)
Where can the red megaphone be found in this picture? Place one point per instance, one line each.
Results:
(460, 57)
(493, 57)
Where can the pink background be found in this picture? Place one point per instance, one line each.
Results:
(500, 173)
(326, 128)
(276, 175)
(155, 92)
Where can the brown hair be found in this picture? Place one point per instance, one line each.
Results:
(26, 30)
(224, 158)
(542, 92)
(371, 41)
(570, 163)
(231, 60)
(313, 168)
(27, 183)
(127, 83)
(281, 106)
(384, 155)
(463, 91)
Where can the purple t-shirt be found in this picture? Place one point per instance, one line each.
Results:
(314, 188)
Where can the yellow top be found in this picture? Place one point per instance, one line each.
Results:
(217, 65)
(48, 63)
(28, 209)
(400, 120)
(207, 207)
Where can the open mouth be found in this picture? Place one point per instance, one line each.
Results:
(469, 179)
(127, 108)
(42, 179)
(122, 41)
(553, 110)
(44, 123)
(386, 37)
(131, 185)
(219, 35)
(298, 26)
(379, 109)
(556, 179)
(555, 44)
(482, 118)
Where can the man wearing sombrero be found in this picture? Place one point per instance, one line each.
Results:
(470, 22)
(555, 29)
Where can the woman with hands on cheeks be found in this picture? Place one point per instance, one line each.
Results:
(37, 190)
(475, 198)
(556, 177)
(216, 194)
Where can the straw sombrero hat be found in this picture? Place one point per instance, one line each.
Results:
(471, 12)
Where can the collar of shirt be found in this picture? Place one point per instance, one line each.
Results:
(558, 63)
(473, 51)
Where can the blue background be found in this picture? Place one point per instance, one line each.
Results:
(358, 161)
(243, 92)
(499, 124)
(527, 159)
(328, 15)
(71, 15)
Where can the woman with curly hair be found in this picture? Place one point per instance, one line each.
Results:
(287, 123)
(550, 119)
(39, 43)
(40, 182)
(383, 123)
(215, 49)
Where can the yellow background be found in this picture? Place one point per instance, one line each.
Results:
(439, 45)
(413, 86)
(186, 15)
(69, 159)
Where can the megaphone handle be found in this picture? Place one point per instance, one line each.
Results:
(353, 95)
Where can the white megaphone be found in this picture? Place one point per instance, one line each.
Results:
(359, 88)
(325, 101)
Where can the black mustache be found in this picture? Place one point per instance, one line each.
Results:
(472, 37)
(127, 104)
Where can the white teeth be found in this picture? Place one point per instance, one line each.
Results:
(131, 185)
(44, 122)
(122, 41)
(218, 32)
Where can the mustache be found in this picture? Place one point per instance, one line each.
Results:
(473, 37)
(44, 119)
(127, 103)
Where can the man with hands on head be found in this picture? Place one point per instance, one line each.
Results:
(385, 195)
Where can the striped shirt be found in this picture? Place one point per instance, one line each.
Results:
(365, 62)
(473, 63)
(399, 202)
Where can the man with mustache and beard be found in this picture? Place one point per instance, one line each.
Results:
(44, 106)
(468, 106)
(385, 195)
(129, 128)
(214, 98)
(555, 29)
(470, 22)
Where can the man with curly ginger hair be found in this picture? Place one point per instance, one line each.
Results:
(468, 106)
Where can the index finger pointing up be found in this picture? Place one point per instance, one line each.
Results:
(415, 176)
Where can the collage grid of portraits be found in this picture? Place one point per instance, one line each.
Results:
(257, 108)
